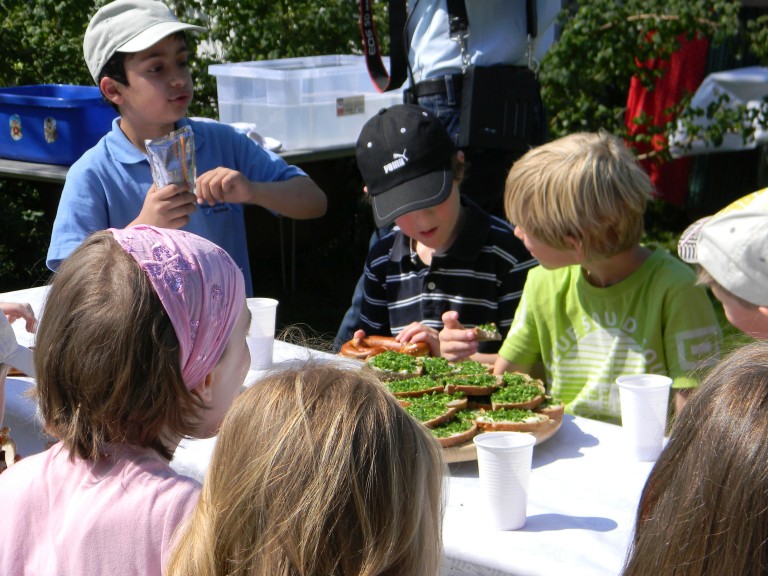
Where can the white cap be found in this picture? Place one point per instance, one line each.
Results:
(732, 246)
(13, 353)
(128, 26)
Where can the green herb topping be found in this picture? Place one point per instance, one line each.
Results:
(470, 367)
(549, 401)
(436, 365)
(392, 361)
(451, 427)
(468, 415)
(430, 406)
(510, 415)
(412, 384)
(472, 380)
(516, 394)
(513, 378)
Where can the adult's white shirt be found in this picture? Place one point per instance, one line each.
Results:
(498, 35)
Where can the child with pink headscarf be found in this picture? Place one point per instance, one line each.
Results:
(142, 343)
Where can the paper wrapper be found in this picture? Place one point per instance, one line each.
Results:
(172, 158)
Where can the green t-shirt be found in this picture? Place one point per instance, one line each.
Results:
(655, 321)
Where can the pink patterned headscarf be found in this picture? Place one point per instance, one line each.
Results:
(200, 287)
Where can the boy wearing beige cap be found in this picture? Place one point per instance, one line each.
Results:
(137, 54)
(731, 251)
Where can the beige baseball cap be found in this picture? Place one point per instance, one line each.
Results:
(732, 246)
(128, 26)
(13, 353)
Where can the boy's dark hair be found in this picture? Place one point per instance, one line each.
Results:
(115, 67)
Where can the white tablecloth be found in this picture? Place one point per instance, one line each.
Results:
(582, 499)
(581, 505)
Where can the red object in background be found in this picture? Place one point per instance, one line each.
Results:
(683, 73)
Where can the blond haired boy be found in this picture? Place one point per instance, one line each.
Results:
(730, 250)
(600, 304)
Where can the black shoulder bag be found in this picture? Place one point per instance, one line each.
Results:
(501, 106)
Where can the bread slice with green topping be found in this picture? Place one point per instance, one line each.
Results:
(470, 367)
(519, 391)
(392, 365)
(551, 407)
(455, 432)
(486, 332)
(472, 384)
(436, 366)
(413, 387)
(512, 420)
(434, 409)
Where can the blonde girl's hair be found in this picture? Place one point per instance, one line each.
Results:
(586, 186)
(317, 471)
(704, 508)
(107, 356)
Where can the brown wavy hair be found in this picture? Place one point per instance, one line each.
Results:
(107, 356)
(317, 471)
(704, 508)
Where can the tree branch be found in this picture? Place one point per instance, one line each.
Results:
(670, 17)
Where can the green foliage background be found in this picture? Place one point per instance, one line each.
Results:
(585, 75)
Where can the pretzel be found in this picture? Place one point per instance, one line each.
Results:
(362, 348)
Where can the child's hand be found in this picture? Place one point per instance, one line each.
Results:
(418, 332)
(358, 336)
(456, 342)
(16, 310)
(222, 185)
(168, 207)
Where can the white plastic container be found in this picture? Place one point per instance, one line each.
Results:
(312, 102)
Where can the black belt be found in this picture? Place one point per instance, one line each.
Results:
(439, 85)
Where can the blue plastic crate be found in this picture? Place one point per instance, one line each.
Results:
(51, 123)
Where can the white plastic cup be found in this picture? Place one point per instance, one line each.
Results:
(261, 334)
(644, 404)
(504, 462)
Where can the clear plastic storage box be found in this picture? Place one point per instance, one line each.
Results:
(51, 123)
(312, 102)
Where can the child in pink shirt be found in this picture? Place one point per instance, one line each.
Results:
(141, 343)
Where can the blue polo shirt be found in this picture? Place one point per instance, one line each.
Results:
(106, 188)
(481, 276)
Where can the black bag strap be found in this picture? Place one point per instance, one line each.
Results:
(457, 17)
(458, 26)
(397, 59)
(531, 17)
